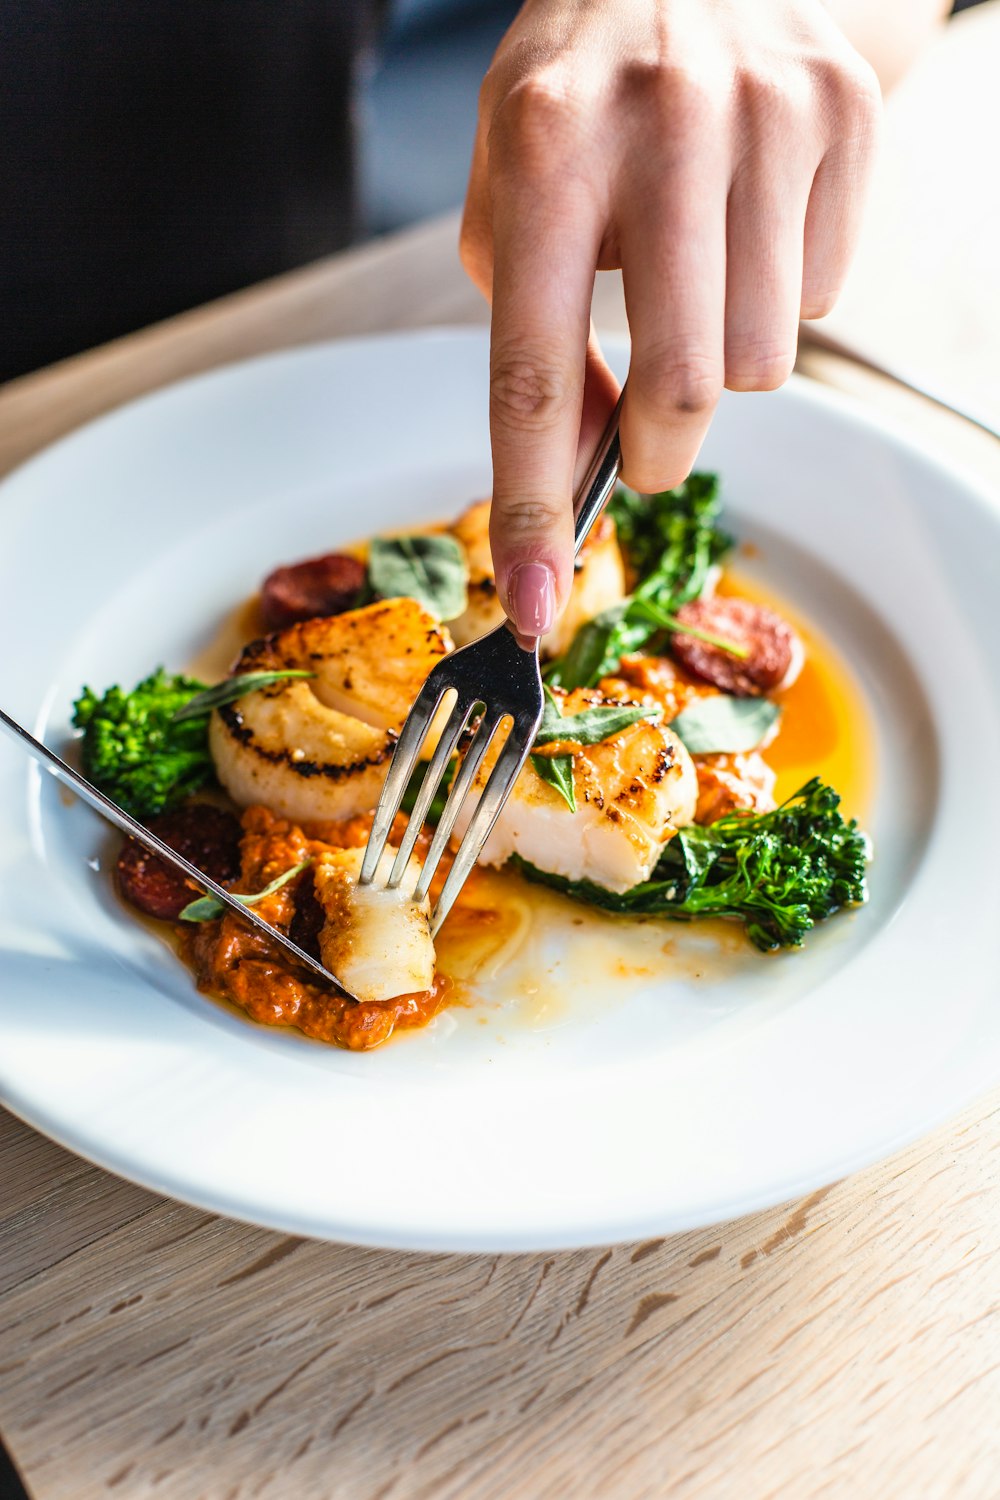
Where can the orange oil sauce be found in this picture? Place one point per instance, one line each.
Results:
(826, 726)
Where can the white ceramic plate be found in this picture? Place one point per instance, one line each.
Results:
(682, 1103)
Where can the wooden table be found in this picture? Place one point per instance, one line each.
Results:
(844, 1345)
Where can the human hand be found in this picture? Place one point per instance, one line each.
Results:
(715, 150)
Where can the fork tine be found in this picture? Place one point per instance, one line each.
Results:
(481, 823)
(457, 720)
(404, 758)
(459, 789)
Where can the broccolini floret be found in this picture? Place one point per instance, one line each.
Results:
(674, 535)
(135, 753)
(670, 541)
(779, 872)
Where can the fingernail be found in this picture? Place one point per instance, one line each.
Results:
(531, 590)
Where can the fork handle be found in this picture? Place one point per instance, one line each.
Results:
(599, 480)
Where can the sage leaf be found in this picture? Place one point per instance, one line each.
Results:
(557, 771)
(592, 725)
(431, 569)
(720, 725)
(228, 691)
(207, 908)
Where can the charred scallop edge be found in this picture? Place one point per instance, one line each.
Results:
(233, 721)
(664, 762)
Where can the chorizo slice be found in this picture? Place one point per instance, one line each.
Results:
(318, 586)
(774, 653)
(206, 836)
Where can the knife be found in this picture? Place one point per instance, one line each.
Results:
(123, 820)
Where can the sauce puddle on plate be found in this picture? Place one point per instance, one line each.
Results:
(545, 961)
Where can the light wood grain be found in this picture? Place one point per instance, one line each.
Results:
(846, 1345)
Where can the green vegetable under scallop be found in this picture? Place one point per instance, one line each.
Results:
(148, 749)
(135, 751)
(779, 873)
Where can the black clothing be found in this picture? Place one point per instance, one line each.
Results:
(158, 153)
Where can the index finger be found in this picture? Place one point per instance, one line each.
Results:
(543, 276)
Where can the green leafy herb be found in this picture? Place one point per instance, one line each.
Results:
(646, 610)
(779, 873)
(230, 690)
(133, 749)
(207, 908)
(557, 771)
(592, 725)
(670, 541)
(597, 648)
(723, 725)
(600, 644)
(431, 569)
(589, 727)
(674, 533)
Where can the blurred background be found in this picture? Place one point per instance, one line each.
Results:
(160, 154)
(418, 106)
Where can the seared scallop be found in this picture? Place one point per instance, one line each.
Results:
(377, 941)
(632, 793)
(727, 783)
(319, 748)
(599, 581)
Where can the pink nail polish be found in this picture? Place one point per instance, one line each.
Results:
(531, 590)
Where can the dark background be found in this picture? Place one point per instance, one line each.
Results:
(159, 153)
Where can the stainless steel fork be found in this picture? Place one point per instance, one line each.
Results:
(501, 677)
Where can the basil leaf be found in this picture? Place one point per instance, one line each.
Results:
(207, 908)
(431, 569)
(557, 771)
(597, 648)
(592, 725)
(724, 725)
(230, 690)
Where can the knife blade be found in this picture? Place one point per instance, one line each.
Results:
(112, 813)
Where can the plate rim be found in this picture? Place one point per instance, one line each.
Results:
(812, 393)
